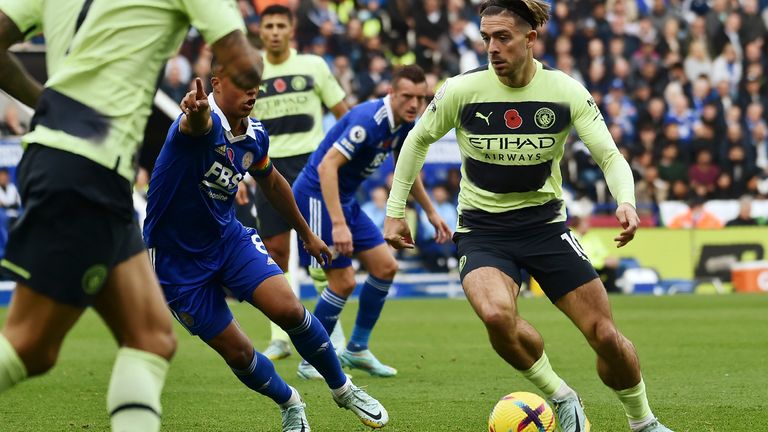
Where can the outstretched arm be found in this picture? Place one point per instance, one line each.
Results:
(278, 192)
(410, 161)
(438, 119)
(14, 79)
(197, 113)
(618, 175)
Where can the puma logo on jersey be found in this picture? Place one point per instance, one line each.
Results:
(484, 117)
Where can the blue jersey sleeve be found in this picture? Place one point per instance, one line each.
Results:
(175, 134)
(359, 133)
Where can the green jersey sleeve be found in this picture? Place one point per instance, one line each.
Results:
(439, 118)
(329, 90)
(592, 129)
(442, 113)
(26, 14)
(214, 19)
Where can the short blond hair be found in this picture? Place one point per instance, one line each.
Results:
(533, 12)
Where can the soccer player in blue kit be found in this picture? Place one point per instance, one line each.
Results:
(201, 252)
(325, 192)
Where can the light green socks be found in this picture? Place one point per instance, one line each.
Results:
(635, 402)
(318, 278)
(133, 398)
(12, 370)
(279, 334)
(544, 377)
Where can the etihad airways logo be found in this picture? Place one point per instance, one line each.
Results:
(511, 143)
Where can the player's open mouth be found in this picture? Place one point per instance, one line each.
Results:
(250, 103)
(498, 63)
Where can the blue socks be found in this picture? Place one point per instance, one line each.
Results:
(262, 377)
(372, 298)
(313, 344)
(329, 308)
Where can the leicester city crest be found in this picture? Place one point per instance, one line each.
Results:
(247, 160)
(544, 118)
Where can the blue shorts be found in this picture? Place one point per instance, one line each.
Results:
(365, 234)
(196, 287)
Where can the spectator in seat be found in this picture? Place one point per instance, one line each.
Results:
(697, 63)
(376, 208)
(10, 201)
(650, 190)
(431, 25)
(604, 263)
(696, 216)
(745, 214)
(175, 83)
(436, 256)
(671, 168)
(10, 124)
(704, 172)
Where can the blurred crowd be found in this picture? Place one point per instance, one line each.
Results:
(680, 83)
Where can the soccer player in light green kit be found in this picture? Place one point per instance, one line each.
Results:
(290, 105)
(512, 120)
(77, 244)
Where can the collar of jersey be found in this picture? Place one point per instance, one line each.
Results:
(225, 123)
(390, 114)
(293, 53)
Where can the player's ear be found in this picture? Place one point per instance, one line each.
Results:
(216, 84)
(531, 37)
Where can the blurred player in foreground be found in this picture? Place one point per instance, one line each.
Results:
(77, 244)
(325, 191)
(512, 118)
(201, 252)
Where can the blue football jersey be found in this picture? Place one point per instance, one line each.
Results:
(193, 186)
(366, 135)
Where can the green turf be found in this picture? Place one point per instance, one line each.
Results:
(705, 360)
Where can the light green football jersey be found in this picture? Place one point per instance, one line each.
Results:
(103, 59)
(511, 142)
(290, 103)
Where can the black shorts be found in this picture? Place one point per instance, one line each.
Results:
(77, 225)
(271, 222)
(548, 252)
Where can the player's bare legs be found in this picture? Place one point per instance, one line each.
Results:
(617, 363)
(258, 373)
(35, 328)
(379, 262)
(492, 295)
(276, 300)
(588, 308)
(279, 247)
(133, 307)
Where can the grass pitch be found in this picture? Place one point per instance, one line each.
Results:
(705, 362)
